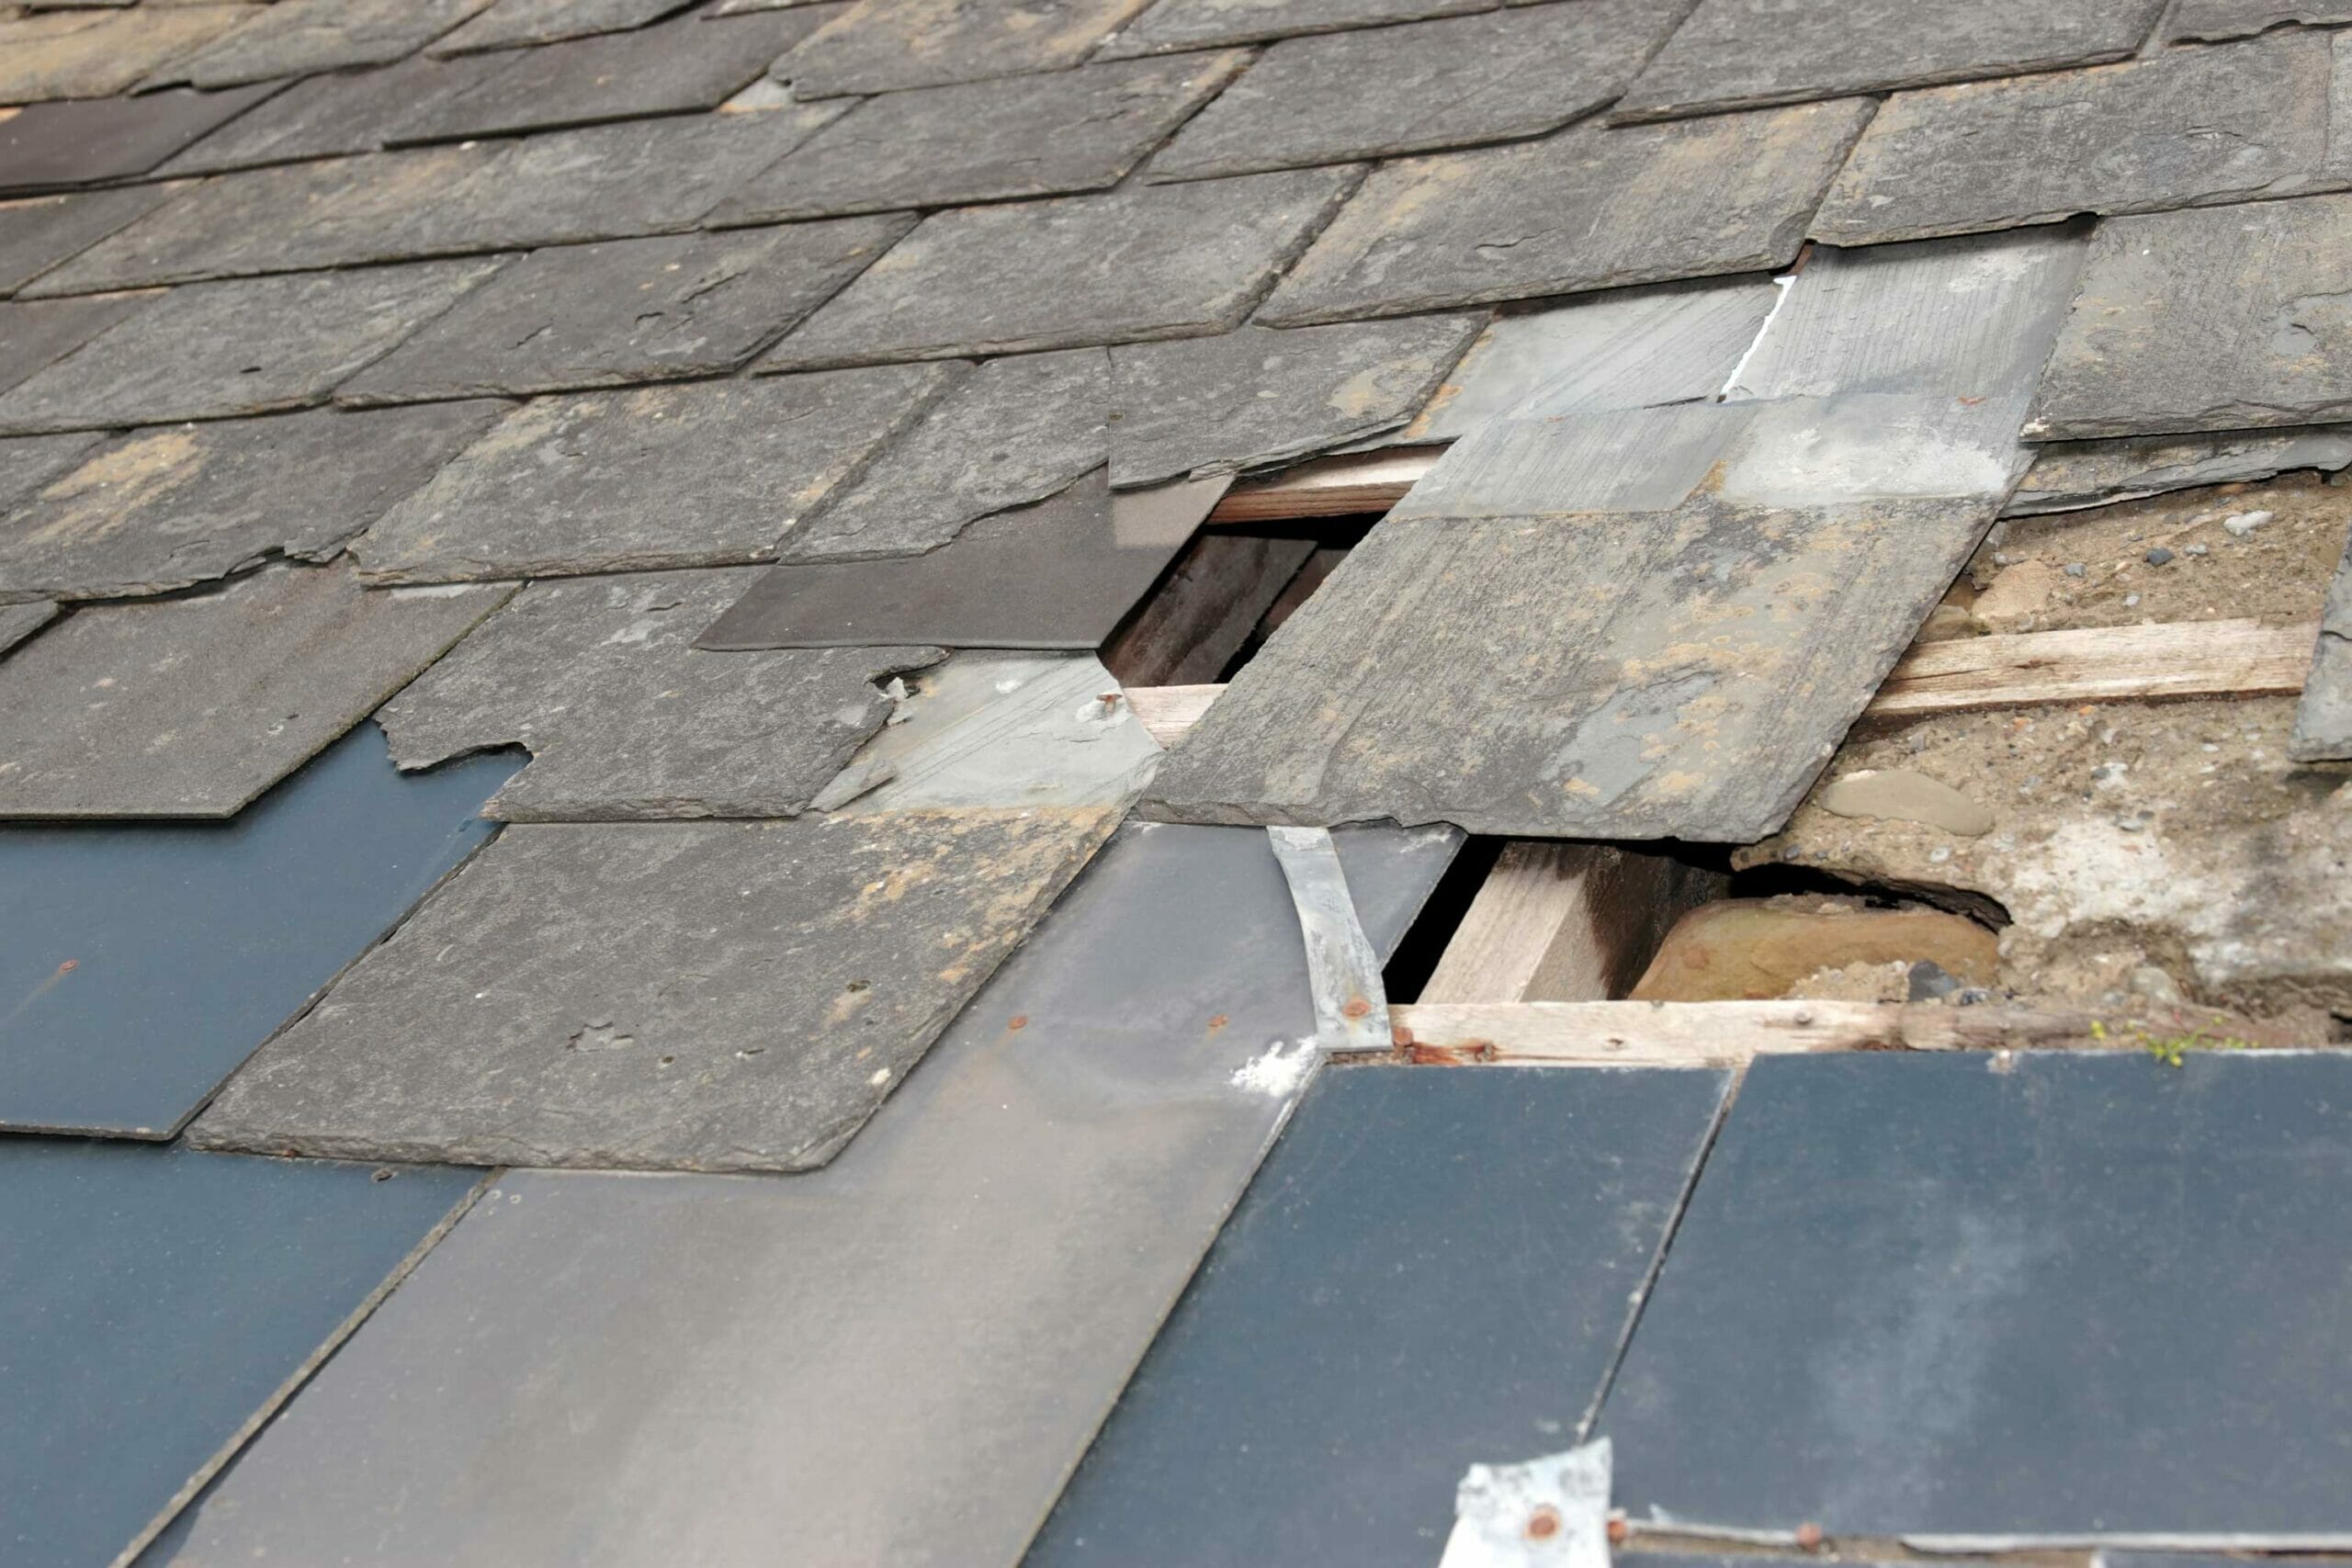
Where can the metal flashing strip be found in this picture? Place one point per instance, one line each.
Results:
(1553, 1510)
(1350, 1006)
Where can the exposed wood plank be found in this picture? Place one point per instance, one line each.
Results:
(1559, 922)
(1699, 1033)
(1198, 619)
(1329, 487)
(1169, 710)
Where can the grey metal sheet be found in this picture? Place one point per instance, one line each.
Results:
(35, 235)
(511, 22)
(1435, 1269)
(2324, 719)
(297, 38)
(2242, 18)
(1174, 25)
(332, 116)
(157, 956)
(897, 1359)
(880, 46)
(93, 140)
(1933, 1296)
(37, 334)
(157, 1305)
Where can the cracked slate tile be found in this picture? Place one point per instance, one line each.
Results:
(510, 22)
(168, 508)
(1453, 82)
(2324, 719)
(1174, 25)
(28, 462)
(1146, 262)
(1012, 432)
(1736, 54)
(629, 311)
(2213, 318)
(301, 37)
(35, 235)
(2183, 127)
(1069, 131)
(91, 54)
(250, 346)
(1587, 207)
(18, 622)
(707, 473)
(885, 46)
(1257, 396)
(627, 720)
(2067, 476)
(333, 116)
(2244, 19)
(193, 707)
(87, 141)
(674, 996)
(37, 334)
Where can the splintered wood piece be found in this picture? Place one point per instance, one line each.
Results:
(1564, 923)
(1169, 710)
(1330, 487)
(1708, 1033)
(1197, 620)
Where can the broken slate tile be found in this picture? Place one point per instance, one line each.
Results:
(18, 622)
(2244, 19)
(1069, 131)
(1737, 54)
(213, 350)
(191, 707)
(92, 140)
(627, 721)
(1088, 269)
(1449, 83)
(628, 310)
(670, 996)
(1257, 396)
(37, 334)
(170, 507)
(1174, 25)
(885, 46)
(92, 54)
(35, 235)
(1587, 207)
(709, 473)
(2183, 127)
(28, 462)
(333, 116)
(2324, 719)
(302, 38)
(510, 22)
(2069, 475)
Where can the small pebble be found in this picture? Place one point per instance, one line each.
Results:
(2130, 600)
(2157, 556)
(2200, 549)
(2240, 524)
(2076, 569)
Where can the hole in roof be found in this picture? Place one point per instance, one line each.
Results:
(1224, 596)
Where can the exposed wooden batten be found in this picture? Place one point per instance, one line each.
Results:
(1328, 486)
(1706, 1034)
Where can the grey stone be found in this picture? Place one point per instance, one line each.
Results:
(2183, 127)
(28, 462)
(675, 996)
(626, 721)
(301, 37)
(1011, 434)
(708, 473)
(1174, 25)
(511, 22)
(94, 139)
(1257, 396)
(2224, 318)
(167, 508)
(2324, 719)
(92, 54)
(333, 116)
(883, 46)
(211, 350)
(191, 707)
(1088, 269)
(37, 334)
(37, 235)
(1586, 208)
(1562, 465)
(2069, 475)
(1749, 53)
(1448, 82)
(1070, 130)
(2244, 19)
(628, 310)
(18, 622)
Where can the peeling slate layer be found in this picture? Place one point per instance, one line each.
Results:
(37, 235)
(87, 141)
(1254, 1432)
(1092, 269)
(708, 473)
(885, 46)
(192, 707)
(721, 996)
(36, 334)
(297, 38)
(1588, 207)
(1883, 1219)
(510, 22)
(1174, 25)
(2067, 475)
(2183, 127)
(626, 721)
(2324, 719)
(91, 54)
(1007, 1235)
(2242, 18)
(333, 116)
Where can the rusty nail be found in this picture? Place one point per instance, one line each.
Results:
(1809, 1536)
(1018, 1020)
(1220, 1021)
(1543, 1524)
(1618, 1531)
(1109, 699)
(69, 964)
(1402, 1035)
(1357, 1008)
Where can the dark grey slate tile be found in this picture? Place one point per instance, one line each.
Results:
(628, 310)
(38, 234)
(1953, 1259)
(299, 37)
(1006, 1235)
(1069, 131)
(510, 22)
(37, 334)
(212, 350)
(28, 462)
(1448, 82)
(18, 622)
(333, 116)
(2068, 474)
(2184, 127)
(2244, 19)
(1747, 53)
(1063, 274)
(1257, 396)
(160, 1304)
(170, 507)
(192, 707)
(679, 996)
(1256, 1431)
(1010, 433)
(2324, 719)
(85, 142)
(747, 7)
(1199, 24)
(626, 721)
(884, 46)
(709, 473)
(160, 954)
(1586, 208)
(92, 54)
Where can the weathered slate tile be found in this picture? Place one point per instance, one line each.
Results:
(1448, 82)
(1953, 1268)
(83, 141)
(299, 37)
(628, 310)
(1198, 24)
(1088, 269)
(18, 622)
(131, 1268)
(675, 996)
(333, 116)
(167, 508)
(711, 473)
(1257, 396)
(1012, 432)
(2219, 318)
(91, 54)
(883, 46)
(191, 707)
(2068, 474)
(627, 721)
(1069, 131)
(211, 350)
(37, 334)
(2324, 719)
(2183, 127)
(28, 462)
(2244, 19)
(1586, 208)
(1737, 54)
(510, 22)
(35, 235)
